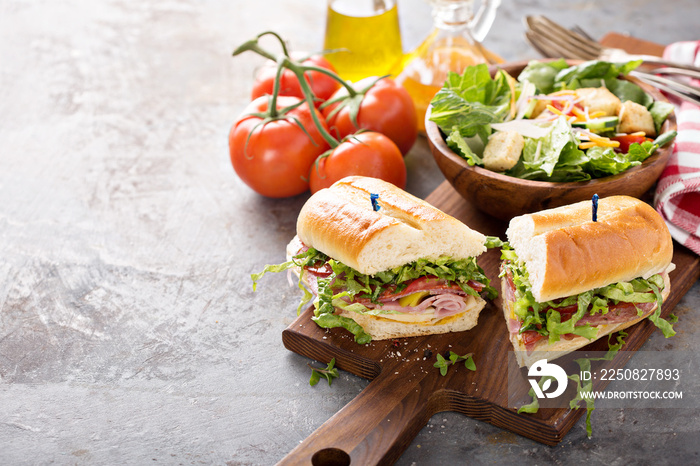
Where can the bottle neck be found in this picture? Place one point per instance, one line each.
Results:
(452, 14)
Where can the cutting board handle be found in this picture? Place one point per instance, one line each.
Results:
(374, 428)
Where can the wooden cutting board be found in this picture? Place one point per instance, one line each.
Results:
(406, 390)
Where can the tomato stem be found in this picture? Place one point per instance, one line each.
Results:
(298, 69)
(253, 45)
(272, 107)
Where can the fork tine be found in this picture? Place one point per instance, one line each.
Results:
(583, 33)
(578, 39)
(575, 45)
(544, 48)
(563, 46)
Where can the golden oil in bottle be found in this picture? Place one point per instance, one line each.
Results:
(365, 35)
(453, 45)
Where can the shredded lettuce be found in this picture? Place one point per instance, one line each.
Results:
(532, 316)
(355, 284)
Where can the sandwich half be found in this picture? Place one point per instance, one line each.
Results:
(384, 264)
(568, 280)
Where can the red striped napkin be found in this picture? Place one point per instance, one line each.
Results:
(677, 196)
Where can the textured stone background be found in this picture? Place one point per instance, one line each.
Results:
(129, 333)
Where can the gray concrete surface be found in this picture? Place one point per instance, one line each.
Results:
(129, 333)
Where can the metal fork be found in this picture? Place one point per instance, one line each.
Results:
(577, 44)
(552, 40)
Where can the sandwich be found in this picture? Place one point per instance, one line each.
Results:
(384, 264)
(574, 274)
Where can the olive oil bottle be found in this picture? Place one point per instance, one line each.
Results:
(365, 37)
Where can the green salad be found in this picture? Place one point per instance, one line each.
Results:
(555, 122)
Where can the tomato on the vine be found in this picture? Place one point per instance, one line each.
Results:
(386, 108)
(368, 154)
(274, 157)
(322, 85)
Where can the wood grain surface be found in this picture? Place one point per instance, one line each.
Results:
(406, 390)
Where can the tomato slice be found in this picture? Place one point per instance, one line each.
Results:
(626, 140)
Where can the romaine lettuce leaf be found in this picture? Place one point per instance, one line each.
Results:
(460, 146)
(543, 153)
(604, 161)
(471, 101)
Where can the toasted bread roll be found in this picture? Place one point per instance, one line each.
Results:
(340, 222)
(566, 253)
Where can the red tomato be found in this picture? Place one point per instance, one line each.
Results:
(278, 155)
(322, 85)
(368, 154)
(627, 140)
(387, 108)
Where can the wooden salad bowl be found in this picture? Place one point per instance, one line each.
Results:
(505, 197)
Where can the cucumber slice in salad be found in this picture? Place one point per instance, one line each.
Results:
(598, 125)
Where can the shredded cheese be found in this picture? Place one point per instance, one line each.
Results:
(554, 110)
(605, 142)
(511, 83)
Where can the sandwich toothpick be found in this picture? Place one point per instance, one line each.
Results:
(595, 207)
(373, 198)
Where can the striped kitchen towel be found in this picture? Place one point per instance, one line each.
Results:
(677, 196)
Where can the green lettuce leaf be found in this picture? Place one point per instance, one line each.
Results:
(543, 153)
(531, 315)
(543, 74)
(470, 102)
(460, 146)
(331, 321)
(604, 161)
(659, 112)
(570, 78)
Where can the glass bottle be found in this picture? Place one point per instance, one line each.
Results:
(366, 35)
(454, 44)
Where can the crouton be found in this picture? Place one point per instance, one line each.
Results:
(635, 117)
(599, 99)
(540, 106)
(503, 150)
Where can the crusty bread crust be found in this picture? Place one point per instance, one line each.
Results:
(564, 347)
(340, 222)
(566, 253)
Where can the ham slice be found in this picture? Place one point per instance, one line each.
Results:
(445, 305)
(444, 298)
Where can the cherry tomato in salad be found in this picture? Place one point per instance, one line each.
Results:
(274, 158)
(626, 140)
(322, 85)
(386, 108)
(368, 154)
